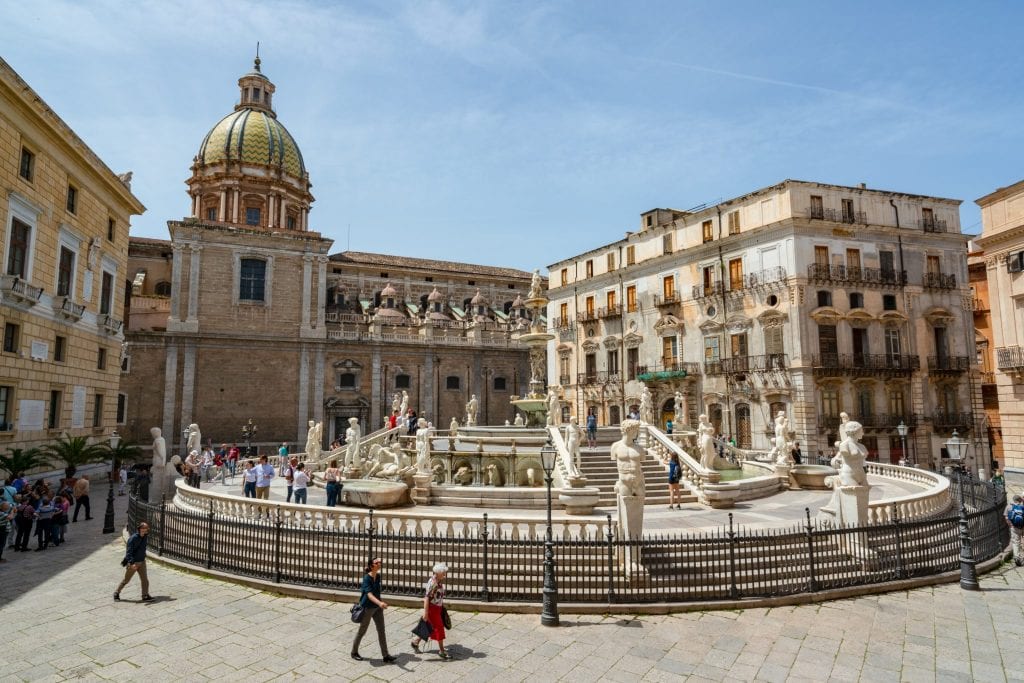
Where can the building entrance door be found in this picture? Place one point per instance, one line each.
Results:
(743, 425)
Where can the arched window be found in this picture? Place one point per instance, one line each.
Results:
(163, 288)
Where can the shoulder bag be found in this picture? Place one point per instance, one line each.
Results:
(445, 619)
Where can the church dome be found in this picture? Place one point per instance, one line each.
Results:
(252, 136)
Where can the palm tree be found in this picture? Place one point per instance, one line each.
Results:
(75, 451)
(18, 461)
(123, 452)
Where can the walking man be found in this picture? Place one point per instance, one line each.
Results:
(264, 473)
(1015, 518)
(134, 562)
(81, 492)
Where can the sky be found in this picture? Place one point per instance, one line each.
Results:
(521, 133)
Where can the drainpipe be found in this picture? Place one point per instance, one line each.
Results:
(899, 237)
(721, 271)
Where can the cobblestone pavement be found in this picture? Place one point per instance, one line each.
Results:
(60, 623)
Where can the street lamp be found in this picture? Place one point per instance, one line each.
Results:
(248, 432)
(901, 429)
(957, 449)
(108, 518)
(549, 613)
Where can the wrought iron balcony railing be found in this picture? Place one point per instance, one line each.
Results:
(1010, 359)
(109, 324)
(69, 309)
(586, 316)
(948, 364)
(705, 291)
(738, 365)
(565, 380)
(858, 364)
(610, 312)
(931, 225)
(939, 281)
(667, 370)
(836, 215)
(962, 422)
(876, 277)
(561, 323)
(601, 377)
(670, 299)
(13, 287)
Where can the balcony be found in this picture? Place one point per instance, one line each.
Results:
(947, 422)
(109, 324)
(561, 323)
(863, 364)
(564, 380)
(668, 369)
(939, 281)
(740, 365)
(586, 316)
(948, 365)
(931, 225)
(886, 422)
(769, 276)
(706, 291)
(610, 312)
(14, 288)
(988, 377)
(1010, 359)
(871, 277)
(979, 305)
(67, 308)
(603, 377)
(836, 215)
(670, 299)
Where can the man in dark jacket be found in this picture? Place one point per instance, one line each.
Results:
(134, 562)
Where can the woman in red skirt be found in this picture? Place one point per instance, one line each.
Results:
(433, 603)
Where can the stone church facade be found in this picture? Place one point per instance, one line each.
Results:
(245, 313)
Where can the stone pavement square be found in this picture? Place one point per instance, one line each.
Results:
(61, 624)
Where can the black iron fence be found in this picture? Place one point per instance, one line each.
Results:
(487, 563)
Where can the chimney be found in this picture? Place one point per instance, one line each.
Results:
(863, 186)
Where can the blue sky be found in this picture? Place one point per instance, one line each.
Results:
(520, 133)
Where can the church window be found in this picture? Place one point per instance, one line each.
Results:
(252, 215)
(451, 382)
(163, 288)
(252, 280)
(824, 298)
(211, 214)
(402, 381)
(347, 380)
(290, 222)
(500, 384)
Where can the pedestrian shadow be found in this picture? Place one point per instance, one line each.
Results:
(463, 652)
(160, 598)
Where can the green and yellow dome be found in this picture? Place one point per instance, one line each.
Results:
(252, 136)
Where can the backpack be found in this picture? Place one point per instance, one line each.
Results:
(1016, 516)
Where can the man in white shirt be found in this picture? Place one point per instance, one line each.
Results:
(300, 480)
(264, 473)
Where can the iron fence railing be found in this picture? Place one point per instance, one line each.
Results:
(705, 291)
(950, 364)
(743, 364)
(944, 421)
(931, 225)
(1010, 358)
(836, 215)
(670, 299)
(491, 563)
(880, 277)
(860, 363)
(940, 280)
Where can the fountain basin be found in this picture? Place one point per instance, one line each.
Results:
(373, 493)
(812, 476)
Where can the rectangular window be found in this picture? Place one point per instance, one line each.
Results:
(610, 300)
(631, 299)
(897, 405)
(452, 382)
(613, 362)
(589, 268)
(712, 352)
(738, 345)
(110, 229)
(122, 408)
(632, 362)
(708, 277)
(859, 341)
(107, 293)
(252, 279)
(590, 305)
(563, 366)
(847, 210)
(565, 276)
(853, 263)
(252, 215)
(101, 359)
(630, 255)
(211, 214)
(72, 199)
(5, 408)
(611, 261)
(734, 223)
(887, 262)
(669, 350)
(736, 274)
(827, 344)
(563, 314)
(865, 402)
(928, 218)
(97, 411)
(824, 298)
(889, 302)
(666, 244)
(11, 334)
(705, 230)
(17, 252)
(830, 402)
(773, 346)
(53, 419)
(668, 287)
(932, 266)
(28, 164)
(892, 344)
(821, 256)
(817, 208)
(500, 384)
(289, 222)
(856, 300)
(65, 272)
(59, 346)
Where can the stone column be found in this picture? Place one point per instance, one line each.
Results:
(427, 387)
(318, 384)
(188, 385)
(307, 285)
(271, 215)
(193, 285)
(375, 385)
(235, 206)
(303, 382)
(170, 393)
(321, 291)
(176, 266)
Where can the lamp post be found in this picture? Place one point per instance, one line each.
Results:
(248, 432)
(108, 518)
(957, 448)
(901, 429)
(549, 613)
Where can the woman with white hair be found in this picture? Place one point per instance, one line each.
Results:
(433, 608)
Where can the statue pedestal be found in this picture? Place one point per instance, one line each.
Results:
(421, 489)
(853, 505)
(579, 499)
(631, 526)
(156, 484)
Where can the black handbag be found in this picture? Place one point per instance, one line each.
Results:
(423, 629)
(357, 612)
(445, 619)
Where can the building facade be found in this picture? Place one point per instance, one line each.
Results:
(244, 312)
(802, 297)
(1002, 240)
(64, 242)
(991, 423)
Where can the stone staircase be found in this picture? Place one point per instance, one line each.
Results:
(599, 469)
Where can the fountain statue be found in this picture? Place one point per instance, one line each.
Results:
(678, 416)
(536, 404)
(157, 471)
(706, 442)
(572, 446)
(782, 451)
(850, 488)
(195, 439)
(472, 406)
(646, 407)
(422, 446)
(352, 437)
(313, 437)
(554, 409)
(518, 422)
(629, 489)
